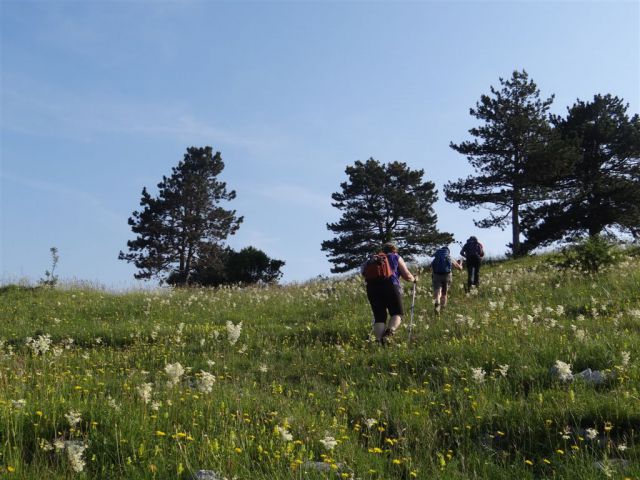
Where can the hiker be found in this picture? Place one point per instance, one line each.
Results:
(382, 273)
(441, 277)
(473, 253)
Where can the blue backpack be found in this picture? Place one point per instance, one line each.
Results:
(442, 261)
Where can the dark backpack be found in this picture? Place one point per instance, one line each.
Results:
(441, 261)
(377, 267)
(474, 249)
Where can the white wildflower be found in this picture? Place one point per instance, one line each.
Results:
(591, 433)
(478, 375)
(144, 392)
(112, 403)
(284, 433)
(563, 370)
(206, 381)
(263, 368)
(370, 422)
(74, 453)
(503, 369)
(18, 404)
(329, 442)
(40, 345)
(73, 417)
(58, 444)
(233, 332)
(626, 357)
(560, 310)
(622, 447)
(155, 405)
(46, 446)
(174, 371)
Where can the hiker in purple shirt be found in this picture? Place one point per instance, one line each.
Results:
(385, 293)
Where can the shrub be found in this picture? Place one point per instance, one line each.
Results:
(589, 255)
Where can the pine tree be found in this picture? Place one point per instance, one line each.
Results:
(184, 223)
(515, 126)
(382, 203)
(598, 185)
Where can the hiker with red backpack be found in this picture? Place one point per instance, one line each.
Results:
(382, 273)
(441, 277)
(473, 251)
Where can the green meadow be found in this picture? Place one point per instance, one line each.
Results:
(285, 382)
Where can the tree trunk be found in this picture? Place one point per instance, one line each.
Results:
(515, 227)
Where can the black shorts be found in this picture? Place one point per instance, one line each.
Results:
(384, 296)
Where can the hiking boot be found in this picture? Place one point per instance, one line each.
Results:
(386, 337)
(436, 309)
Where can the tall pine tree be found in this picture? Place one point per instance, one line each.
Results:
(184, 224)
(382, 203)
(515, 125)
(597, 186)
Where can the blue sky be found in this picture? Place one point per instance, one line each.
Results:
(99, 99)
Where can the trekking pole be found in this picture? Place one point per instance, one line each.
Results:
(413, 302)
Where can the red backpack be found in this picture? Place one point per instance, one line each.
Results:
(377, 267)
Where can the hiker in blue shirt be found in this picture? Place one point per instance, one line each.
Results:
(473, 251)
(441, 277)
(384, 291)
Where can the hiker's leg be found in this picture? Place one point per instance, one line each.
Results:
(394, 323)
(379, 309)
(476, 277)
(445, 290)
(378, 330)
(395, 308)
(469, 275)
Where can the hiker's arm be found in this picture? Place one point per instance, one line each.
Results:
(456, 264)
(404, 271)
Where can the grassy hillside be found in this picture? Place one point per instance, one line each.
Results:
(89, 381)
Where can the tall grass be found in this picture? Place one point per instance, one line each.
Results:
(304, 389)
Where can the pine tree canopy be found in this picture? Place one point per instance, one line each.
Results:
(598, 185)
(382, 203)
(184, 223)
(515, 125)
